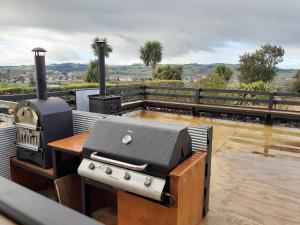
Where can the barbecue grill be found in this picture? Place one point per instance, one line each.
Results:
(134, 155)
(40, 121)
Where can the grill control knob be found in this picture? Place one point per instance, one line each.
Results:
(127, 176)
(127, 139)
(147, 182)
(108, 170)
(92, 166)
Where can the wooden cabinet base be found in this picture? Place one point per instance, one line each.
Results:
(186, 185)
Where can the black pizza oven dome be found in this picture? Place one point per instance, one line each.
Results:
(40, 122)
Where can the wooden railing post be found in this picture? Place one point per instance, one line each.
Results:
(271, 100)
(197, 96)
(143, 89)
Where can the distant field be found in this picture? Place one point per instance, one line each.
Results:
(286, 74)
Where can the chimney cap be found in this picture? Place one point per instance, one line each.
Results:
(101, 41)
(38, 49)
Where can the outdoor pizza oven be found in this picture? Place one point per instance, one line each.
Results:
(40, 121)
(134, 155)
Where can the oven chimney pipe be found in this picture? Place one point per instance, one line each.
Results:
(41, 86)
(101, 66)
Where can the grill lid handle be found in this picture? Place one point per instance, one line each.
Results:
(118, 163)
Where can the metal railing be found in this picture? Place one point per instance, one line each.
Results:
(68, 95)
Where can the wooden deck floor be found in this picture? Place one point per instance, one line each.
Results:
(251, 189)
(255, 171)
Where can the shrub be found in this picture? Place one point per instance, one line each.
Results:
(69, 87)
(165, 83)
(296, 84)
(211, 81)
(17, 90)
(91, 74)
(256, 86)
(169, 72)
(224, 71)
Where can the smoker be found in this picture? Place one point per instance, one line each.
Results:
(42, 120)
(103, 103)
(134, 155)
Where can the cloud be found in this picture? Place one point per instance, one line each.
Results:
(185, 28)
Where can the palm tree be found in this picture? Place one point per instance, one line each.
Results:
(151, 54)
(107, 48)
(92, 70)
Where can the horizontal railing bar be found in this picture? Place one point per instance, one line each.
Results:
(286, 102)
(171, 88)
(33, 95)
(169, 95)
(235, 99)
(232, 91)
(287, 94)
(125, 88)
(132, 95)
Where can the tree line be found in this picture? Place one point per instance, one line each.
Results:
(257, 66)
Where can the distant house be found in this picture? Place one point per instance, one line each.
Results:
(126, 79)
(20, 78)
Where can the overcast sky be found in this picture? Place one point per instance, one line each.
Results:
(198, 31)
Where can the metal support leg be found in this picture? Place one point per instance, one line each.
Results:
(86, 205)
(208, 170)
(57, 163)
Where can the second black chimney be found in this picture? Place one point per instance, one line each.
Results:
(41, 86)
(104, 103)
(101, 67)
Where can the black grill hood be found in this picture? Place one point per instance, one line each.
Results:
(161, 146)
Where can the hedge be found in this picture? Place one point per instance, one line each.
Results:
(69, 87)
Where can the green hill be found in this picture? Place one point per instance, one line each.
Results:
(134, 70)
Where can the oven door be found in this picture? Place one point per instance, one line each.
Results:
(29, 139)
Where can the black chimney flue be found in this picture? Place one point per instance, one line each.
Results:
(101, 68)
(41, 85)
(103, 103)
